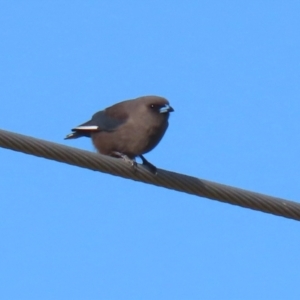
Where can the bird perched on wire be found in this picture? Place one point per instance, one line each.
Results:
(128, 129)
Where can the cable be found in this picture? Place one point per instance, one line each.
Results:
(167, 179)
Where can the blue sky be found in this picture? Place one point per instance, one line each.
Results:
(231, 71)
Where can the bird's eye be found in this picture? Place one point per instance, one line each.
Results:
(155, 106)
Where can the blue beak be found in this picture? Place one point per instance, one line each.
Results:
(166, 109)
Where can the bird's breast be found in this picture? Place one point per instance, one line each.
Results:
(130, 138)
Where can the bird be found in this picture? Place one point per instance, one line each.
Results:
(128, 129)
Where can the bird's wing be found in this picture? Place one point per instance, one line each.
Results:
(101, 121)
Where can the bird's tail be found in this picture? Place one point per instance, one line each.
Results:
(82, 130)
(73, 135)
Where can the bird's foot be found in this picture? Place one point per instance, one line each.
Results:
(132, 162)
(148, 165)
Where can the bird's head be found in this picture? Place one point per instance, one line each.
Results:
(157, 105)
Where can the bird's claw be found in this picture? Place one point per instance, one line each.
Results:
(132, 162)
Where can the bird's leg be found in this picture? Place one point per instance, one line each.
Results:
(148, 165)
(132, 162)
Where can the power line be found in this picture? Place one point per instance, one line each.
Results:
(167, 179)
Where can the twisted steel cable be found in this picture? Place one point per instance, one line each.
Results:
(167, 179)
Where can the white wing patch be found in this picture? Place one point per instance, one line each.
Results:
(86, 128)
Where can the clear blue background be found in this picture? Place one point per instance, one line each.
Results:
(230, 69)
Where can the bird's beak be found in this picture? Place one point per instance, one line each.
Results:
(166, 109)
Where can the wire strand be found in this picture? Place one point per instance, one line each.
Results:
(167, 179)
